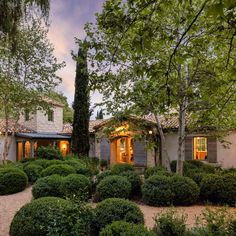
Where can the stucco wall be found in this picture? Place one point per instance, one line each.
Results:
(227, 157)
(92, 150)
(12, 151)
(43, 125)
(39, 121)
(172, 145)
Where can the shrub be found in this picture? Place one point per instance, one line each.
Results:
(76, 185)
(79, 167)
(53, 162)
(115, 209)
(135, 181)
(40, 162)
(33, 171)
(173, 166)
(119, 168)
(149, 171)
(49, 153)
(51, 216)
(196, 176)
(103, 175)
(113, 186)
(228, 192)
(168, 224)
(61, 169)
(211, 187)
(186, 191)
(48, 186)
(12, 180)
(157, 191)
(121, 228)
(103, 163)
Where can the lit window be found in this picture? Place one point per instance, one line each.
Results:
(50, 115)
(200, 148)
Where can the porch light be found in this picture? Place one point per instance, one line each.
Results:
(150, 131)
(64, 146)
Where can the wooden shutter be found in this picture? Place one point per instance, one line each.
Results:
(212, 149)
(188, 148)
(105, 149)
(140, 153)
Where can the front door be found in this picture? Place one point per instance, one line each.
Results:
(125, 153)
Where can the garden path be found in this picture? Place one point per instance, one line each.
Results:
(9, 205)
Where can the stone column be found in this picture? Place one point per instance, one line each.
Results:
(31, 149)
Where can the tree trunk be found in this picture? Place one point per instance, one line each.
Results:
(181, 139)
(164, 153)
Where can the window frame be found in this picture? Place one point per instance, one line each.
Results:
(50, 115)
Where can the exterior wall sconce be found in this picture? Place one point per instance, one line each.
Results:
(150, 131)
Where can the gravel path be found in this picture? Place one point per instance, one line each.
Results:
(9, 205)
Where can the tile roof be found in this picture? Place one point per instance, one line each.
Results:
(67, 128)
(52, 101)
(18, 129)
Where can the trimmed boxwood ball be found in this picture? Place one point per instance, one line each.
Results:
(103, 175)
(121, 228)
(228, 191)
(12, 180)
(76, 185)
(121, 167)
(135, 181)
(51, 216)
(61, 169)
(211, 188)
(186, 191)
(33, 172)
(49, 153)
(157, 191)
(79, 167)
(113, 186)
(149, 171)
(48, 186)
(115, 209)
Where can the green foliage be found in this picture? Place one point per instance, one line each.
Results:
(113, 187)
(33, 171)
(12, 180)
(157, 191)
(103, 163)
(186, 191)
(49, 153)
(211, 188)
(79, 166)
(122, 228)
(80, 133)
(60, 169)
(149, 171)
(121, 167)
(168, 224)
(76, 186)
(214, 222)
(51, 216)
(103, 175)
(115, 209)
(135, 181)
(48, 186)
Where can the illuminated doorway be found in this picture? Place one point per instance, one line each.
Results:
(125, 150)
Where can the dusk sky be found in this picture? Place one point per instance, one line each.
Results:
(67, 21)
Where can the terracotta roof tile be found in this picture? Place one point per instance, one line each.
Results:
(19, 128)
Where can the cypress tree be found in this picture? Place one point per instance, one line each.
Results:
(80, 133)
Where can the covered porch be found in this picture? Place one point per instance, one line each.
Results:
(27, 144)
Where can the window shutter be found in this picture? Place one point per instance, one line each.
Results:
(105, 149)
(212, 149)
(140, 153)
(188, 148)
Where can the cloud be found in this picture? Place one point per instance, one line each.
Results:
(67, 22)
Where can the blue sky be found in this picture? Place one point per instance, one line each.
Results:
(67, 22)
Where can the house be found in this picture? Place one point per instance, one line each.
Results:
(126, 141)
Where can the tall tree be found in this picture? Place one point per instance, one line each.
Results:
(26, 75)
(80, 133)
(163, 56)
